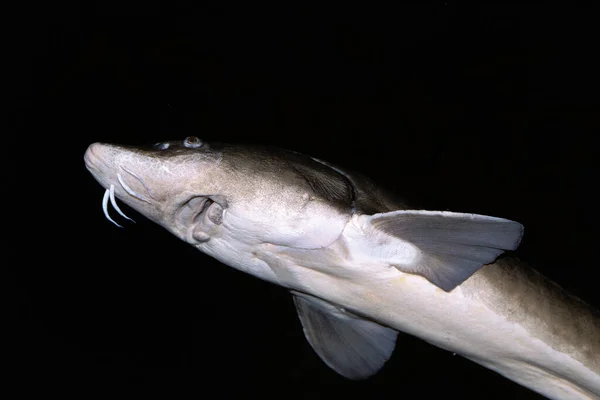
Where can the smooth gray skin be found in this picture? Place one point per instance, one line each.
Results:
(546, 310)
(177, 180)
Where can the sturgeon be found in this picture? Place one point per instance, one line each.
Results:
(360, 264)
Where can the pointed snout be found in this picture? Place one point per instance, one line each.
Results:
(100, 160)
(93, 156)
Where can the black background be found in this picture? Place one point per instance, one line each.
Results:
(484, 109)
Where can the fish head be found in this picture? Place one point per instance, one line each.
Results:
(203, 192)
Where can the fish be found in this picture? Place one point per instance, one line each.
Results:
(360, 264)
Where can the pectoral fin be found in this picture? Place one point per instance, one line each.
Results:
(352, 346)
(450, 247)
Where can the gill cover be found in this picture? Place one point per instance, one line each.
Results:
(283, 198)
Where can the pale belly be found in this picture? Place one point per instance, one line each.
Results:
(454, 321)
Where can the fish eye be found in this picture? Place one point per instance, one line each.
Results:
(192, 142)
(161, 145)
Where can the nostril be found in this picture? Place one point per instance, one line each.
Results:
(161, 145)
(192, 142)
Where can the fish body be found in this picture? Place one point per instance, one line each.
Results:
(360, 264)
